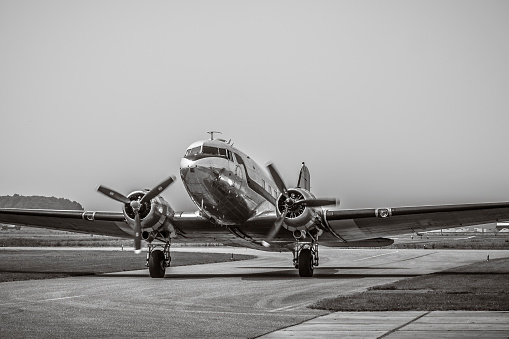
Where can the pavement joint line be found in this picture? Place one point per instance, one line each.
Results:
(405, 324)
(374, 256)
(291, 325)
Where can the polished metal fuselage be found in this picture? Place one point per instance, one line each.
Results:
(228, 189)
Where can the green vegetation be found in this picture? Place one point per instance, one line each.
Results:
(456, 241)
(40, 237)
(44, 264)
(35, 201)
(481, 286)
(69, 241)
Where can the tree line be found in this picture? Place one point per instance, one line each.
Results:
(36, 201)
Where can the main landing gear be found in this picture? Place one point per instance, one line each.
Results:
(305, 257)
(158, 258)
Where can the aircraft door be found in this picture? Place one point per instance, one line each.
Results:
(239, 170)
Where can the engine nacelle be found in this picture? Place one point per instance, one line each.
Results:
(155, 215)
(298, 217)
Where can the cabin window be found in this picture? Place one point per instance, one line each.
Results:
(222, 152)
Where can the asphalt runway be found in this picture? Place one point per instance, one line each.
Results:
(234, 299)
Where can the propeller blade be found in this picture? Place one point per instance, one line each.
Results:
(154, 192)
(316, 202)
(137, 232)
(276, 228)
(113, 194)
(277, 179)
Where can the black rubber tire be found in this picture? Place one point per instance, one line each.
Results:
(156, 264)
(305, 263)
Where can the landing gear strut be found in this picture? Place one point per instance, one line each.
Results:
(158, 258)
(305, 257)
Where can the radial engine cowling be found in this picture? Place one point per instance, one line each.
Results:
(155, 215)
(298, 217)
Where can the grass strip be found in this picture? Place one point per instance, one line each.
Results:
(480, 286)
(45, 264)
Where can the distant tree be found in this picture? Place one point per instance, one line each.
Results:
(35, 201)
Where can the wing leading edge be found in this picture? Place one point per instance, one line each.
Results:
(346, 225)
(359, 224)
(102, 223)
(191, 226)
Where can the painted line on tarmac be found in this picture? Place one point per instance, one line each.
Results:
(251, 313)
(417, 257)
(63, 298)
(374, 256)
(287, 308)
(40, 301)
(269, 313)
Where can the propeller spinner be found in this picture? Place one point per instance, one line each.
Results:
(136, 205)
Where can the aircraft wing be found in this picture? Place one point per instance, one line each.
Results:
(359, 224)
(102, 223)
(349, 226)
(191, 226)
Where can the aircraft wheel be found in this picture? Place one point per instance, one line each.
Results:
(156, 265)
(305, 263)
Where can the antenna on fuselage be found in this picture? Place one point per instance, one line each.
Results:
(212, 134)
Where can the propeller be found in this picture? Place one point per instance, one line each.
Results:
(113, 194)
(316, 202)
(277, 226)
(290, 203)
(277, 179)
(136, 205)
(154, 192)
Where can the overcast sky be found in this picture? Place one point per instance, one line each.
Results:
(389, 103)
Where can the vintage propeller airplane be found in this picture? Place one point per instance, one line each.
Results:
(240, 204)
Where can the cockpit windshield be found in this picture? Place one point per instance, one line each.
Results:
(193, 151)
(209, 150)
(216, 151)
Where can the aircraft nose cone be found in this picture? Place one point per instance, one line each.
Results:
(184, 163)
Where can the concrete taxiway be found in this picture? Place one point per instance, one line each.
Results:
(234, 299)
(399, 325)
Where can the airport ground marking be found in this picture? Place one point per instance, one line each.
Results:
(252, 313)
(290, 307)
(43, 300)
(374, 256)
(62, 298)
